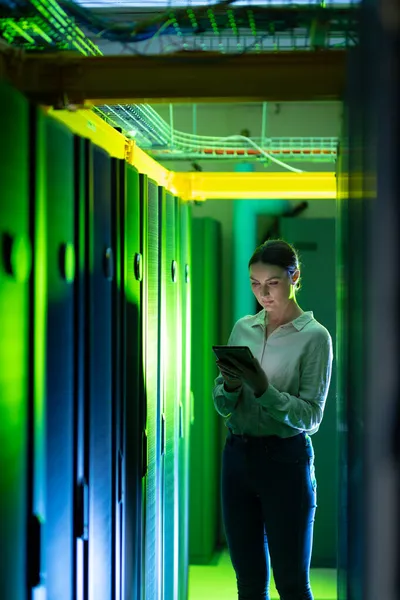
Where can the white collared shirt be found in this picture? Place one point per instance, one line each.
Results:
(297, 358)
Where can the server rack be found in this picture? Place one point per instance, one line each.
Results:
(185, 404)
(170, 363)
(153, 435)
(15, 269)
(129, 383)
(95, 371)
(57, 404)
(101, 440)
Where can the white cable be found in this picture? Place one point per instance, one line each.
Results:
(263, 152)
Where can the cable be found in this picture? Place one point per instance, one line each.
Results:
(273, 20)
(135, 32)
(263, 152)
(196, 12)
(159, 31)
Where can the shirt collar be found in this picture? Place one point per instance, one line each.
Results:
(260, 318)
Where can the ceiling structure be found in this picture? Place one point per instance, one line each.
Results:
(178, 28)
(225, 27)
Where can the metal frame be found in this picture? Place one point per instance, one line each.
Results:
(199, 186)
(63, 80)
(66, 80)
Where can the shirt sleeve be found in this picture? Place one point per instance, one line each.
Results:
(305, 411)
(225, 402)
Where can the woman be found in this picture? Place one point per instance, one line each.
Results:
(268, 483)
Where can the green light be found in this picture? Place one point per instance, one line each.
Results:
(22, 33)
(232, 21)
(252, 22)
(67, 262)
(51, 11)
(213, 22)
(219, 575)
(17, 256)
(192, 18)
(40, 321)
(40, 31)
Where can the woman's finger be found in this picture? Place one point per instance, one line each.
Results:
(231, 374)
(237, 365)
(226, 365)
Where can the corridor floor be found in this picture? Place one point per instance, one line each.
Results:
(217, 582)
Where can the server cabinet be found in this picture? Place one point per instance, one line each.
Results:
(204, 488)
(100, 267)
(184, 270)
(82, 182)
(15, 267)
(352, 340)
(58, 406)
(37, 354)
(117, 372)
(128, 379)
(170, 364)
(153, 435)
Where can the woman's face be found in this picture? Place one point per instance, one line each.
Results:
(271, 285)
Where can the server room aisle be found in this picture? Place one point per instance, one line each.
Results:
(217, 582)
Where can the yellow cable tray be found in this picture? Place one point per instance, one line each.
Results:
(199, 186)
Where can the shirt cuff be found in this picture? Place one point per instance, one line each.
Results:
(231, 395)
(270, 397)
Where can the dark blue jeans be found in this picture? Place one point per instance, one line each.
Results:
(269, 502)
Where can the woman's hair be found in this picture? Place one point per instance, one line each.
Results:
(279, 253)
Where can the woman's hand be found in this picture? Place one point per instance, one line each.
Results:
(230, 375)
(255, 378)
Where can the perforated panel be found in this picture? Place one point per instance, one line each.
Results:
(82, 351)
(152, 516)
(101, 566)
(185, 286)
(132, 385)
(170, 360)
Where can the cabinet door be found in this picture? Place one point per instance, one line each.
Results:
(15, 265)
(130, 386)
(100, 397)
(60, 328)
(185, 408)
(204, 433)
(154, 433)
(82, 151)
(170, 359)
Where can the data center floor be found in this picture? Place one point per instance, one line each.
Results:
(217, 582)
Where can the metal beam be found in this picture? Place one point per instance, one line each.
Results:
(255, 186)
(199, 186)
(64, 79)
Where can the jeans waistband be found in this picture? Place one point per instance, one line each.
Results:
(295, 447)
(265, 438)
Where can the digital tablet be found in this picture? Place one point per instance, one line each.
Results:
(242, 354)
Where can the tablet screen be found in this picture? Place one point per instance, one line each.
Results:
(242, 354)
